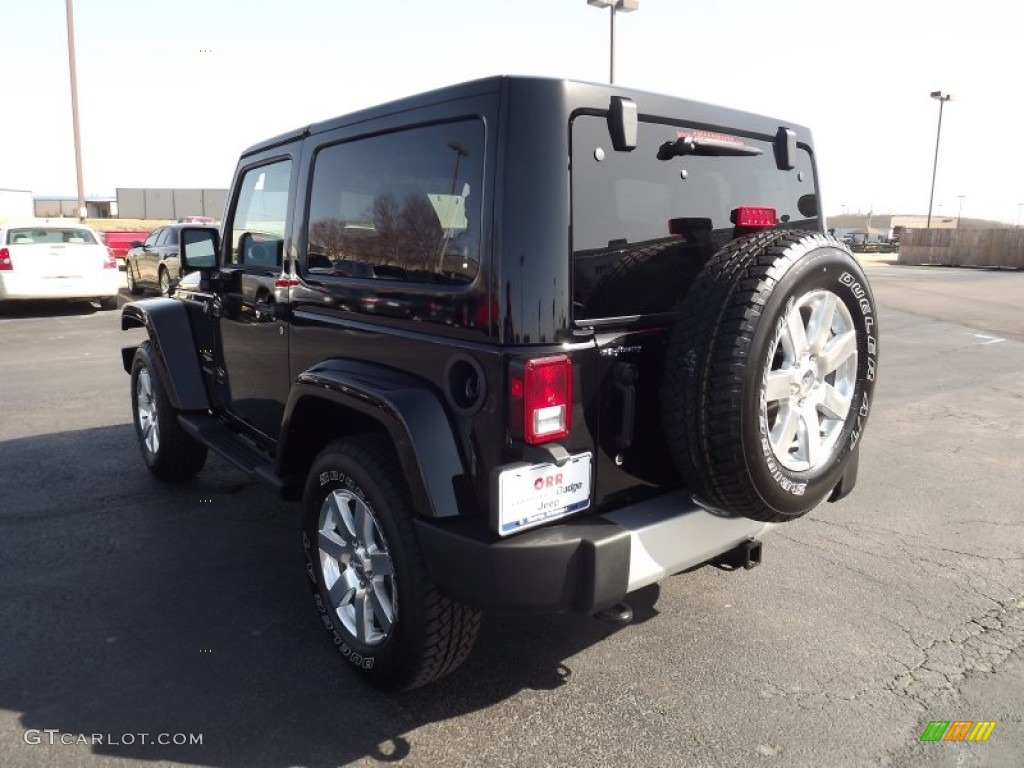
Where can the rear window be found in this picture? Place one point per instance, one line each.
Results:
(28, 236)
(626, 262)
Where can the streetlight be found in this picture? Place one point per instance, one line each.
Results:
(626, 6)
(959, 208)
(74, 110)
(943, 98)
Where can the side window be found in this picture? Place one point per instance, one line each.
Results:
(153, 237)
(257, 226)
(401, 206)
(165, 238)
(170, 236)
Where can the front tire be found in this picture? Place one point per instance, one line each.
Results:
(164, 283)
(770, 374)
(168, 450)
(369, 581)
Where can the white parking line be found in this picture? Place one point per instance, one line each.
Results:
(988, 339)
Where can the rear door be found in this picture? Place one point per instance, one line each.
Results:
(644, 224)
(169, 253)
(147, 257)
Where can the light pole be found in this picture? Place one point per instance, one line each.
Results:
(943, 98)
(74, 110)
(959, 208)
(626, 6)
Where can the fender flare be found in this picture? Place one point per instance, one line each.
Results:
(167, 322)
(410, 412)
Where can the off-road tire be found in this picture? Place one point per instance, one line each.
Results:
(717, 375)
(432, 634)
(174, 455)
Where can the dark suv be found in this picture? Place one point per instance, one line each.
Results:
(524, 345)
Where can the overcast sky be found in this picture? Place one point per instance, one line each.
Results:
(171, 92)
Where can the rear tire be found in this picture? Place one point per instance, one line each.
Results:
(133, 287)
(770, 374)
(168, 450)
(369, 581)
(108, 302)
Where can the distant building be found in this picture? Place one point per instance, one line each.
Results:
(65, 206)
(156, 203)
(15, 204)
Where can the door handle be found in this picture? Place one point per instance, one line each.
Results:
(268, 309)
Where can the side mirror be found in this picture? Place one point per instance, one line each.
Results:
(136, 243)
(199, 247)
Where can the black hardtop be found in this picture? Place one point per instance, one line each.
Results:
(575, 96)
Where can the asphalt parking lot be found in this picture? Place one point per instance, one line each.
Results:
(132, 608)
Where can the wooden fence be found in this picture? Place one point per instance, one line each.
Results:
(964, 247)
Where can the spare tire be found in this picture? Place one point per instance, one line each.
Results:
(770, 374)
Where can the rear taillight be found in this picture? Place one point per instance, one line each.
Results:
(5, 260)
(540, 398)
(752, 217)
(110, 262)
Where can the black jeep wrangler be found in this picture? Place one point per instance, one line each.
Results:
(521, 345)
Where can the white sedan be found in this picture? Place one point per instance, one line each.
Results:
(50, 260)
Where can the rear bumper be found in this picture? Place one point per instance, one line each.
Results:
(14, 287)
(580, 566)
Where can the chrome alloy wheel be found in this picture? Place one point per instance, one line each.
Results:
(357, 568)
(809, 380)
(149, 424)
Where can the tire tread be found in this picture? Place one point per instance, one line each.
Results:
(708, 354)
(450, 626)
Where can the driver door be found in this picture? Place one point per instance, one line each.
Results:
(253, 334)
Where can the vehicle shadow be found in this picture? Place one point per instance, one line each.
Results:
(134, 607)
(32, 308)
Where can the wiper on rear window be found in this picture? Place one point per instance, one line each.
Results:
(706, 146)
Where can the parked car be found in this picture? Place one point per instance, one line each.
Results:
(154, 263)
(48, 260)
(523, 345)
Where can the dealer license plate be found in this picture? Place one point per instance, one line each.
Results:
(531, 495)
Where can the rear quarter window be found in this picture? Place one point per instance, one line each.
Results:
(402, 206)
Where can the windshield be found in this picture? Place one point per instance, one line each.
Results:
(644, 222)
(30, 235)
